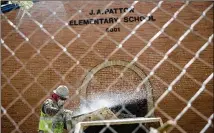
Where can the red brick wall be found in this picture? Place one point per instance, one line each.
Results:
(29, 76)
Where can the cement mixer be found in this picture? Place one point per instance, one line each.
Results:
(93, 121)
(100, 114)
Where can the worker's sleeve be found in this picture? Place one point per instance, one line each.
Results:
(48, 108)
(68, 119)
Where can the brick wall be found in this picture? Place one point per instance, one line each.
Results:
(40, 65)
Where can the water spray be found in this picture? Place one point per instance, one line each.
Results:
(109, 100)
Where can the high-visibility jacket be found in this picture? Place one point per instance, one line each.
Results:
(47, 124)
(50, 124)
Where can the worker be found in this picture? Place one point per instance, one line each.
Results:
(52, 118)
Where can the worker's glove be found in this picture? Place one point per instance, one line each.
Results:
(68, 111)
(68, 114)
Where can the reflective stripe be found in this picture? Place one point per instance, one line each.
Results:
(46, 118)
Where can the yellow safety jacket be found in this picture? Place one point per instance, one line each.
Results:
(47, 124)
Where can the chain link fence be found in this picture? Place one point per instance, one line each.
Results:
(143, 59)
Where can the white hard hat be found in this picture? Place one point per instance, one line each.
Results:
(62, 91)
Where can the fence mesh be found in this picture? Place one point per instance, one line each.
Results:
(166, 63)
